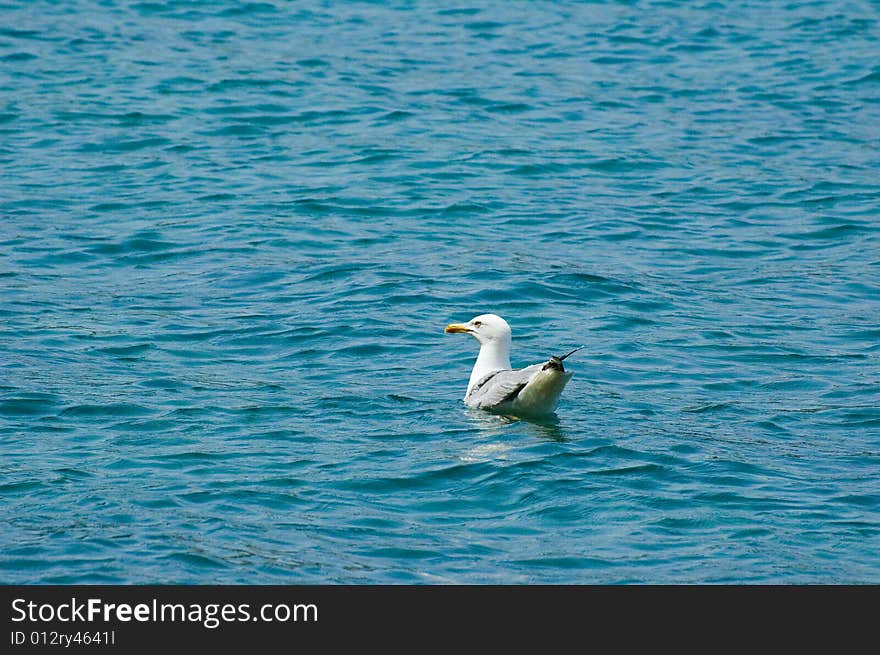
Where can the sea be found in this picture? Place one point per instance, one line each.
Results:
(232, 234)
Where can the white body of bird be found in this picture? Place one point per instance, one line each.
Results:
(495, 386)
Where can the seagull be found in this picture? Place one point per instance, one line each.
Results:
(495, 386)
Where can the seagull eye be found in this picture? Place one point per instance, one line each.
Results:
(477, 323)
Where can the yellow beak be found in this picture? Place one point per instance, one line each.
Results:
(456, 328)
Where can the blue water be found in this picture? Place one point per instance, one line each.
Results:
(232, 234)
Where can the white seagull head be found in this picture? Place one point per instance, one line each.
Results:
(485, 328)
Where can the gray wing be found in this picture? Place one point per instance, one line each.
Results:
(501, 387)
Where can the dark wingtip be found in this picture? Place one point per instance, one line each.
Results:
(568, 353)
(555, 361)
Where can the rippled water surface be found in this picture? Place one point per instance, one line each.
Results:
(231, 235)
